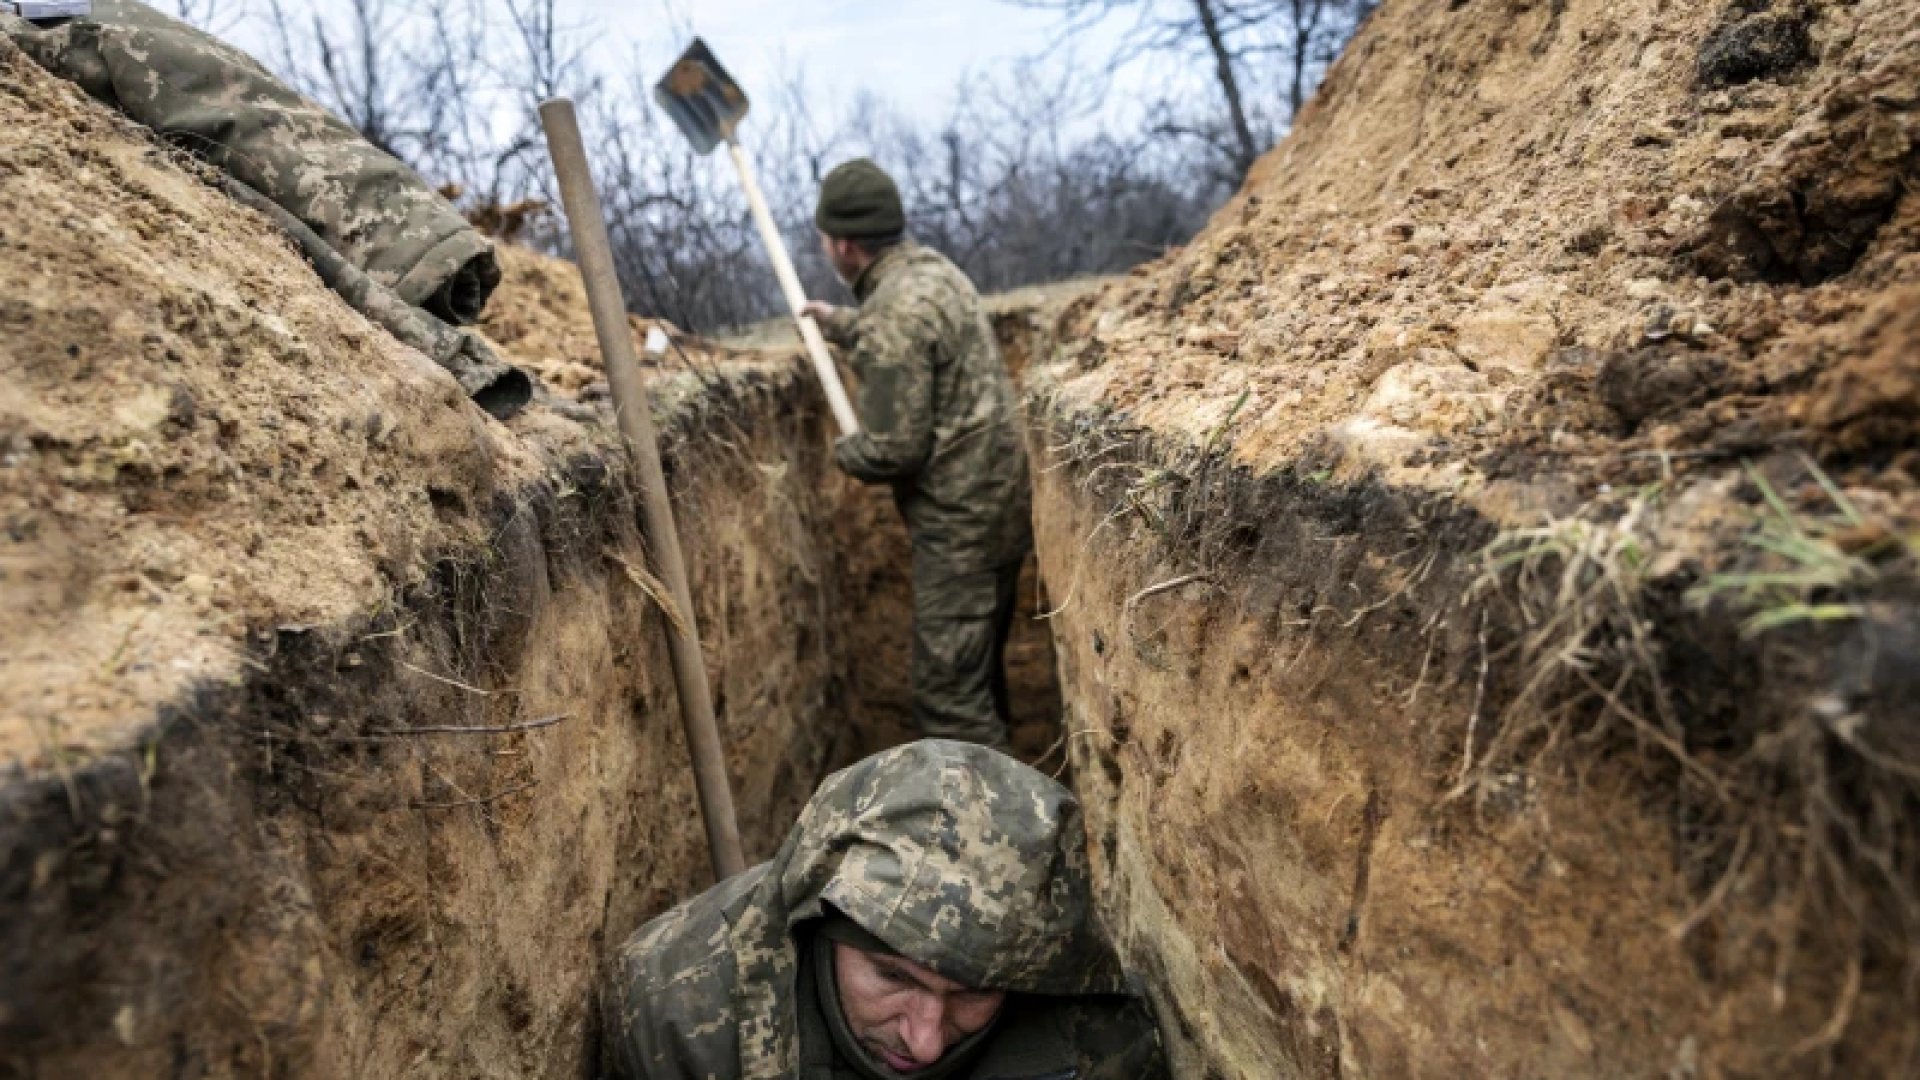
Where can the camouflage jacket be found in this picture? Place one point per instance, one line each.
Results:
(963, 859)
(939, 417)
(219, 103)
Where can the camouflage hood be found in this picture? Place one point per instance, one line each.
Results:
(961, 858)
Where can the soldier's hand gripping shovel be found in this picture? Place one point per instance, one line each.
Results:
(707, 105)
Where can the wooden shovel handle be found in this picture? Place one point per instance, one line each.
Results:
(843, 413)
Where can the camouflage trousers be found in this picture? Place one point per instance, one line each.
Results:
(960, 627)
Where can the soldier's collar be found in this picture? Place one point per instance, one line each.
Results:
(879, 268)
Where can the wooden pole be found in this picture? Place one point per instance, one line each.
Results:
(843, 413)
(595, 255)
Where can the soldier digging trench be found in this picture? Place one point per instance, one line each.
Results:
(939, 425)
(929, 914)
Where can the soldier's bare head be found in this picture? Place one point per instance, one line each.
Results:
(903, 1014)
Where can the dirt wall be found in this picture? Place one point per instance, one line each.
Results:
(288, 876)
(1471, 666)
(336, 730)
(337, 736)
(1295, 853)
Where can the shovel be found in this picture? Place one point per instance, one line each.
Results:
(707, 105)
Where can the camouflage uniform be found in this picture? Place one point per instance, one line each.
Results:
(940, 424)
(389, 244)
(958, 857)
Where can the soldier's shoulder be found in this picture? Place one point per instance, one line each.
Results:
(929, 275)
(1094, 1037)
(669, 997)
(1115, 1038)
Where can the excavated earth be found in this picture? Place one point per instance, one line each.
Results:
(1484, 561)
(267, 571)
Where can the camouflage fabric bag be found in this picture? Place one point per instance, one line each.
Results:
(219, 103)
(962, 859)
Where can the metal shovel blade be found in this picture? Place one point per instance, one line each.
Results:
(704, 101)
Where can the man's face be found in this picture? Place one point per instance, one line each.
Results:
(845, 256)
(903, 1014)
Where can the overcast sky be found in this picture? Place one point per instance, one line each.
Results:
(912, 53)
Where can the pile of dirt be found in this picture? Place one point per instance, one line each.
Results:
(197, 439)
(1487, 557)
(542, 320)
(1471, 249)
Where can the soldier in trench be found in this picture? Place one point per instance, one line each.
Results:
(940, 426)
(928, 916)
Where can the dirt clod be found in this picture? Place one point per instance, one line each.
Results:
(1757, 39)
(1647, 382)
(1814, 206)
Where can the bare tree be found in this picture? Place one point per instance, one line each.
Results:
(1185, 29)
(210, 15)
(546, 60)
(1312, 33)
(1235, 39)
(371, 71)
(449, 86)
(1016, 183)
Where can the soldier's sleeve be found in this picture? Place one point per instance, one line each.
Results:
(837, 328)
(667, 1003)
(893, 357)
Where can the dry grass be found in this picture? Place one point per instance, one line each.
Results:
(1797, 816)
(1587, 651)
(1811, 566)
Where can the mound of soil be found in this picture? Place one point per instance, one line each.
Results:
(1489, 206)
(198, 439)
(1484, 557)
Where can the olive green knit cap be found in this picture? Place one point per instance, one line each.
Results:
(859, 199)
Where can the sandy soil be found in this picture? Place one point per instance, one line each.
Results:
(253, 547)
(1426, 725)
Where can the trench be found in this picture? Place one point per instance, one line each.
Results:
(357, 750)
(404, 843)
